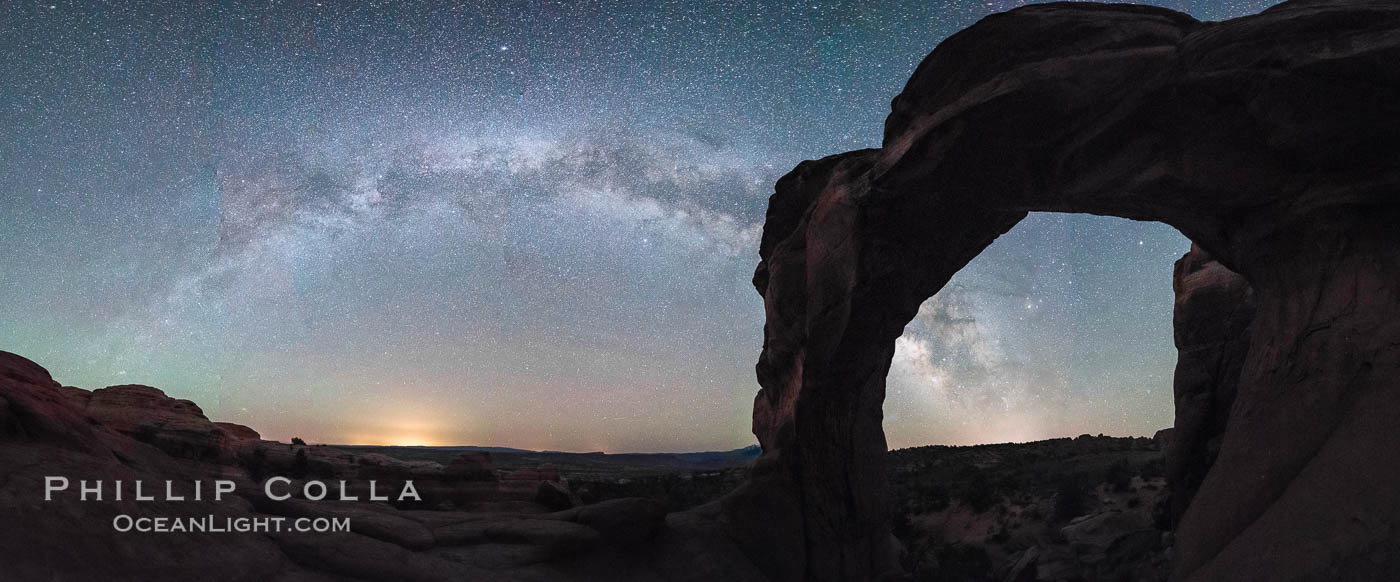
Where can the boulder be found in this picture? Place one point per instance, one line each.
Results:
(1024, 568)
(1090, 536)
(555, 496)
(627, 521)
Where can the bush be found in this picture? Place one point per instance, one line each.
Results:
(933, 497)
(1070, 500)
(1157, 467)
(979, 494)
(299, 464)
(961, 563)
(298, 441)
(1001, 536)
(257, 464)
(1119, 475)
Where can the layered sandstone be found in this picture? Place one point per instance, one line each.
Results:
(178, 427)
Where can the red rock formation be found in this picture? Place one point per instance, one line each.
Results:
(238, 431)
(177, 427)
(138, 432)
(43, 431)
(1269, 140)
(1211, 316)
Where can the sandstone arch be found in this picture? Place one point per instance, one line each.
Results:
(1272, 141)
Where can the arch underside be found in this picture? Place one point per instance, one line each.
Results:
(1271, 141)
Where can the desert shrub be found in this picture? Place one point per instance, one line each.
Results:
(299, 464)
(1156, 467)
(959, 563)
(1001, 536)
(930, 497)
(978, 493)
(1161, 514)
(901, 526)
(1119, 475)
(298, 441)
(1033, 514)
(1008, 481)
(257, 464)
(1070, 500)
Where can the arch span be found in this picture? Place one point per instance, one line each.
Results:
(1271, 141)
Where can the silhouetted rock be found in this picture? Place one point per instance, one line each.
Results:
(1268, 140)
(238, 431)
(1164, 438)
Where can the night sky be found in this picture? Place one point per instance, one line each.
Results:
(520, 224)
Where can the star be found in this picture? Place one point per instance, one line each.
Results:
(341, 223)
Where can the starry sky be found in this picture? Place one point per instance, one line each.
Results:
(528, 224)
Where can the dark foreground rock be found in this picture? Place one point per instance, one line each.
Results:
(129, 433)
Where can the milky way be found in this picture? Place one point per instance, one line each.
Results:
(530, 225)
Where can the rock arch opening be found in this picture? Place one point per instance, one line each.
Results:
(1062, 326)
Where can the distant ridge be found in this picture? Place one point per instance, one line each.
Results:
(443, 448)
(593, 463)
(749, 452)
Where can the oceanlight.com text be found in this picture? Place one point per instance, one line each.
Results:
(215, 524)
